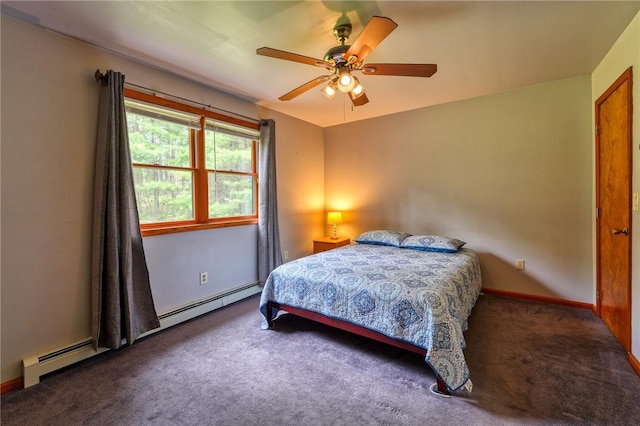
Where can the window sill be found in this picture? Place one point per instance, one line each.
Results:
(151, 230)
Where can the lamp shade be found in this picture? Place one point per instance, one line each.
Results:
(329, 91)
(357, 91)
(346, 81)
(334, 218)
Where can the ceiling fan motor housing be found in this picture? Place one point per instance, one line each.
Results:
(335, 55)
(342, 29)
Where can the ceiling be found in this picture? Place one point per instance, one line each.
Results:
(480, 47)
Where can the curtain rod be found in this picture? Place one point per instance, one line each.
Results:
(102, 78)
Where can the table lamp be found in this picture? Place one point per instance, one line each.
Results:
(334, 218)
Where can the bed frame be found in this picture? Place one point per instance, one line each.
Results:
(440, 387)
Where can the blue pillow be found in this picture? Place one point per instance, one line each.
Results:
(382, 238)
(432, 243)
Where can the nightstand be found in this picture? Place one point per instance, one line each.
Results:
(326, 243)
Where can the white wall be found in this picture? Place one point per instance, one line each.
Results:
(49, 113)
(625, 53)
(229, 255)
(509, 173)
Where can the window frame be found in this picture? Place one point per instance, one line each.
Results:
(201, 218)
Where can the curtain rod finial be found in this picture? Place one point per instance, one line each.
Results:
(101, 77)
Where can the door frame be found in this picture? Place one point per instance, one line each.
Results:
(625, 76)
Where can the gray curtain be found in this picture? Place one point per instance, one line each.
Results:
(269, 256)
(122, 305)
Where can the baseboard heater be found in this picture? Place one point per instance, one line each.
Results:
(38, 365)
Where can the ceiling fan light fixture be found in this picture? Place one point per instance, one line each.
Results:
(346, 82)
(330, 90)
(357, 91)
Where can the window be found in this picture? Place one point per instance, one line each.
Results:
(230, 163)
(192, 168)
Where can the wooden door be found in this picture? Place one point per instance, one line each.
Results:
(613, 202)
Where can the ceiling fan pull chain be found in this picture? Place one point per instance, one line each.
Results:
(344, 108)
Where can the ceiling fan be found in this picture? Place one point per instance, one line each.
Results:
(343, 59)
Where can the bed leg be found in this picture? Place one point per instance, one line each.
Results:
(440, 389)
(270, 314)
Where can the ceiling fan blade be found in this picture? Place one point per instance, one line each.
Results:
(288, 56)
(360, 100)
(376, 30)
(408, 70)
(307, 86)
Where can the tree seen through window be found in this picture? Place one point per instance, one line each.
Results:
(172, 186)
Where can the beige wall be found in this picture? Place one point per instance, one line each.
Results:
(300, 161)
(625, 53)
(510, 174)
(49, 113)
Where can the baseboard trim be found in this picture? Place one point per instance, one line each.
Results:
(40, 364)
(635, 364)
(18, 383)
(633, 361)
(543, 299)
(11, 385)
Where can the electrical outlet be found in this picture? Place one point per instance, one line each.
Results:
(520, 264)
(204, 278)
(286, 255)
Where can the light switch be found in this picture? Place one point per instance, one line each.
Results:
(635, 201)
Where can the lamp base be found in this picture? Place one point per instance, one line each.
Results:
(334, 236)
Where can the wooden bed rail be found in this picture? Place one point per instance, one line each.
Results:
(355, 329)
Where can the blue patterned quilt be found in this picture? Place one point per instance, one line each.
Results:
(423, 298)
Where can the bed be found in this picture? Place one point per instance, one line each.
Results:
(413, 292)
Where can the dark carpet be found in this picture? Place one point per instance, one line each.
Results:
(531, 363)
